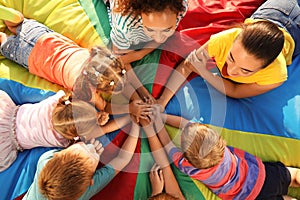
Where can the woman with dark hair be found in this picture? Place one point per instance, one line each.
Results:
(139, 27)
(252, 59)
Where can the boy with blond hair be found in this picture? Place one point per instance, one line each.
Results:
(229, 172)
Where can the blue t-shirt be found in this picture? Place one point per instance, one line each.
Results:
(101, 178)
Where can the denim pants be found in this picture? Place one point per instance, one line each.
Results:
(284, 13)
(18, 47)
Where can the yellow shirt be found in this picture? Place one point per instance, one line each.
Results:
(220, 45)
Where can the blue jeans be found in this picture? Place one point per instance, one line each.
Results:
(18, 47)
(286, 14)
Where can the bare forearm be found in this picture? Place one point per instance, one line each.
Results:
(236, 90)
(171, 184)
(157, 149)
(117, 108)
(127, 150)
(139, 54)
(160, 157)
(175, 121)
(177, 78)
(116, 124)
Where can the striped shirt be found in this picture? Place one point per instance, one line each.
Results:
(127, 31)
(239, 175)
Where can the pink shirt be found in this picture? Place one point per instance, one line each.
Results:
(57, 59)
(34, 124)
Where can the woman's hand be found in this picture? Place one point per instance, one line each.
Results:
(197, 60)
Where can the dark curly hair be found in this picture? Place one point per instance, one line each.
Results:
(136, 7)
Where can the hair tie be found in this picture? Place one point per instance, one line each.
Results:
(67, 102)
(123, 71)
(97, 73)
(112, 83)
(84, 72)
(77, 138)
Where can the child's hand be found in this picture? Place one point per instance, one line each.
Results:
(140, 109)
(156, 179)
(99, 102)
(97, 145)
(145, 95)
(158, 117)
(102, 118)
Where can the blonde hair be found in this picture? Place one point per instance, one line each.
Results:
(203, 147)
(65, 177)
(103, 71)
(75, 118)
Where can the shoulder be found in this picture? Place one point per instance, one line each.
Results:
(33, 191)
(101, 178)
(126, 22)
(185, 9)
(276, 72)
(222, 42)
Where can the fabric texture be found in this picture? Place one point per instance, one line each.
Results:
(251, 124)
(9, 145)
(9, 14)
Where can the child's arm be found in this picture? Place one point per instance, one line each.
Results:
(136, 107)
(127, 150)
(128, 57)
(176, 79)
(174, 120)
(112, 125)
(160, 157)
(179, 76)
(163, 135)
(115, 124)
(138, 86)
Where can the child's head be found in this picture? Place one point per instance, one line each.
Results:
(72, 118)
(102, 72)
(69, 173)
(256, 47)
(159, 17)
(202, 146)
